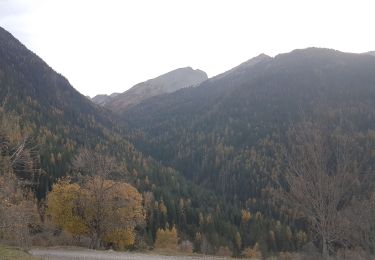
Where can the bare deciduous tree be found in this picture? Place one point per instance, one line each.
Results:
(320, 181)
(361, 215)
(95, 169)
(90, 163)
(19, 169)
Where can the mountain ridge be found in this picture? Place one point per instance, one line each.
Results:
(163, 84)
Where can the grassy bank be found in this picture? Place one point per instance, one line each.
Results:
(13, 253)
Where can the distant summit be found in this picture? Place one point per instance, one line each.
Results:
(102, 99)
(166, 83)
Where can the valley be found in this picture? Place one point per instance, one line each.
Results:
(270, 158)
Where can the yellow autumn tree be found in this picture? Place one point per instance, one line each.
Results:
(166, 239)
(112, 208)
(64, 207)
(246, 216)
(253, 252)
(125, 205)
(121, 238)
(105, 210)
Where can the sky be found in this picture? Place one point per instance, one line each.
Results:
(106, 46)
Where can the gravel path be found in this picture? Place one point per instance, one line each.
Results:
(85, 254)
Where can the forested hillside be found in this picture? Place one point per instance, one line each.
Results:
(228, 133)
(212, 133)
(58, 122)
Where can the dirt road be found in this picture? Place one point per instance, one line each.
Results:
(85, 254)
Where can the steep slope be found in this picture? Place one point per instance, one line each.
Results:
(47, 103)
(209, 132)
(60, 121)
(166, 83)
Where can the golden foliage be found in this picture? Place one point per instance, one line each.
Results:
(122, 238)
(162, 208)
(252, 252)
(246, 216)
(64, 207)
(115, 207)
(128, 204)
(166, 239)
(301, 238)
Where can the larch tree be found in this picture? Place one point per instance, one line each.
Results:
(167, 239)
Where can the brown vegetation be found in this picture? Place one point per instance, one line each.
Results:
(323, 184)
(18, 207)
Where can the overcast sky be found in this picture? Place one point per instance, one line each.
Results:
(107, 46)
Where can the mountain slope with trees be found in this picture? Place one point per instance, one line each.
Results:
(215, 168)
(200, 130)
(228, 134)
(58, 122)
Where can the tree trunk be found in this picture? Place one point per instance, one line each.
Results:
(324, 248)
(95, 242)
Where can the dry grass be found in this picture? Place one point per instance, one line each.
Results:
(13, 253)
